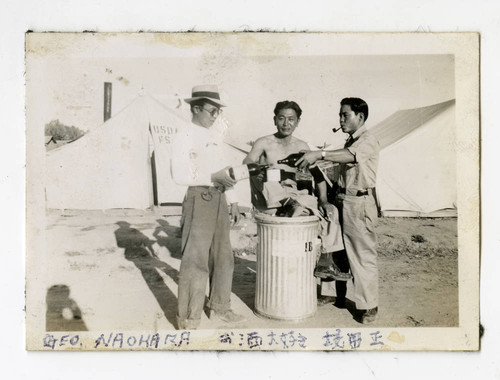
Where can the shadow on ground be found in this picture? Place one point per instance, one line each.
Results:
(168, 236)
(63, 313)
(244, 278)
(138, 249)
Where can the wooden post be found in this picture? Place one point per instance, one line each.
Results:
(107, 100)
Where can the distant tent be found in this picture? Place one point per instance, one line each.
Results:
(112, 166)
(417, 167)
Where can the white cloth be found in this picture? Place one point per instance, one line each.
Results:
(330, 231)
(196, 154)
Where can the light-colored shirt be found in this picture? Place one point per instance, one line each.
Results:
(362, 173)
(197, 152)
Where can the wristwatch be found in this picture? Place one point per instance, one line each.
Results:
(323, 154)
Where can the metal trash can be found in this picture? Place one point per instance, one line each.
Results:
(286, 257)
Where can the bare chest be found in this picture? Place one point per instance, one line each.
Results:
(275, 151)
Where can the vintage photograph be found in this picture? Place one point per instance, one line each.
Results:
(252, 191)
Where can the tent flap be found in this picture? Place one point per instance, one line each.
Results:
(417, 169)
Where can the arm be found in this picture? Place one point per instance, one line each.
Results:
(257, 150)
(304, 147)
(327, 209)
(235, 213)
(341, 156)
(322, 192)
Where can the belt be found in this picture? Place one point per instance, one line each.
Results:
(354, 192)
(219, 188)
(207, 192)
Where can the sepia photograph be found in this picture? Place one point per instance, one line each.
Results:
(252, 191)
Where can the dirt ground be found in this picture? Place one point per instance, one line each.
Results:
(98, 277)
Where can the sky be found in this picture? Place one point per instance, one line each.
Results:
(65, 76)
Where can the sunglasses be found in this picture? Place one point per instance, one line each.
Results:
(214, 112)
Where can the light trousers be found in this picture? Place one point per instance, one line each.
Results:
(358, 220)
(206, 255)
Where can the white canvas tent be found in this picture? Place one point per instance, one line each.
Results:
(417, 167)
(111, 167)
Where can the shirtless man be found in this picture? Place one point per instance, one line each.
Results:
(269, 149)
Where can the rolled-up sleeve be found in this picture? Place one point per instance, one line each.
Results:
(365, 148)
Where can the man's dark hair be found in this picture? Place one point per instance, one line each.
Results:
(357, 105)
(287, 104)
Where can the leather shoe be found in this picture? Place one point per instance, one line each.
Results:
(227, 316)
(367, 316)
(325, 300)
(332, 271)
(187, 324)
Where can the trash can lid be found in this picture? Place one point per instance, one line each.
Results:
(270, 219)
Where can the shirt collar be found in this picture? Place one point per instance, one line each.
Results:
(358, 132)
(201, 130)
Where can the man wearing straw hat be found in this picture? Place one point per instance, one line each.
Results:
(197, 162)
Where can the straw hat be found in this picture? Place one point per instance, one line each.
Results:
(206, 91)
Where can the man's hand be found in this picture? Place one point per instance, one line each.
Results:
(235, 213)
(223, 178)
(308, 159)
(327, 209)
